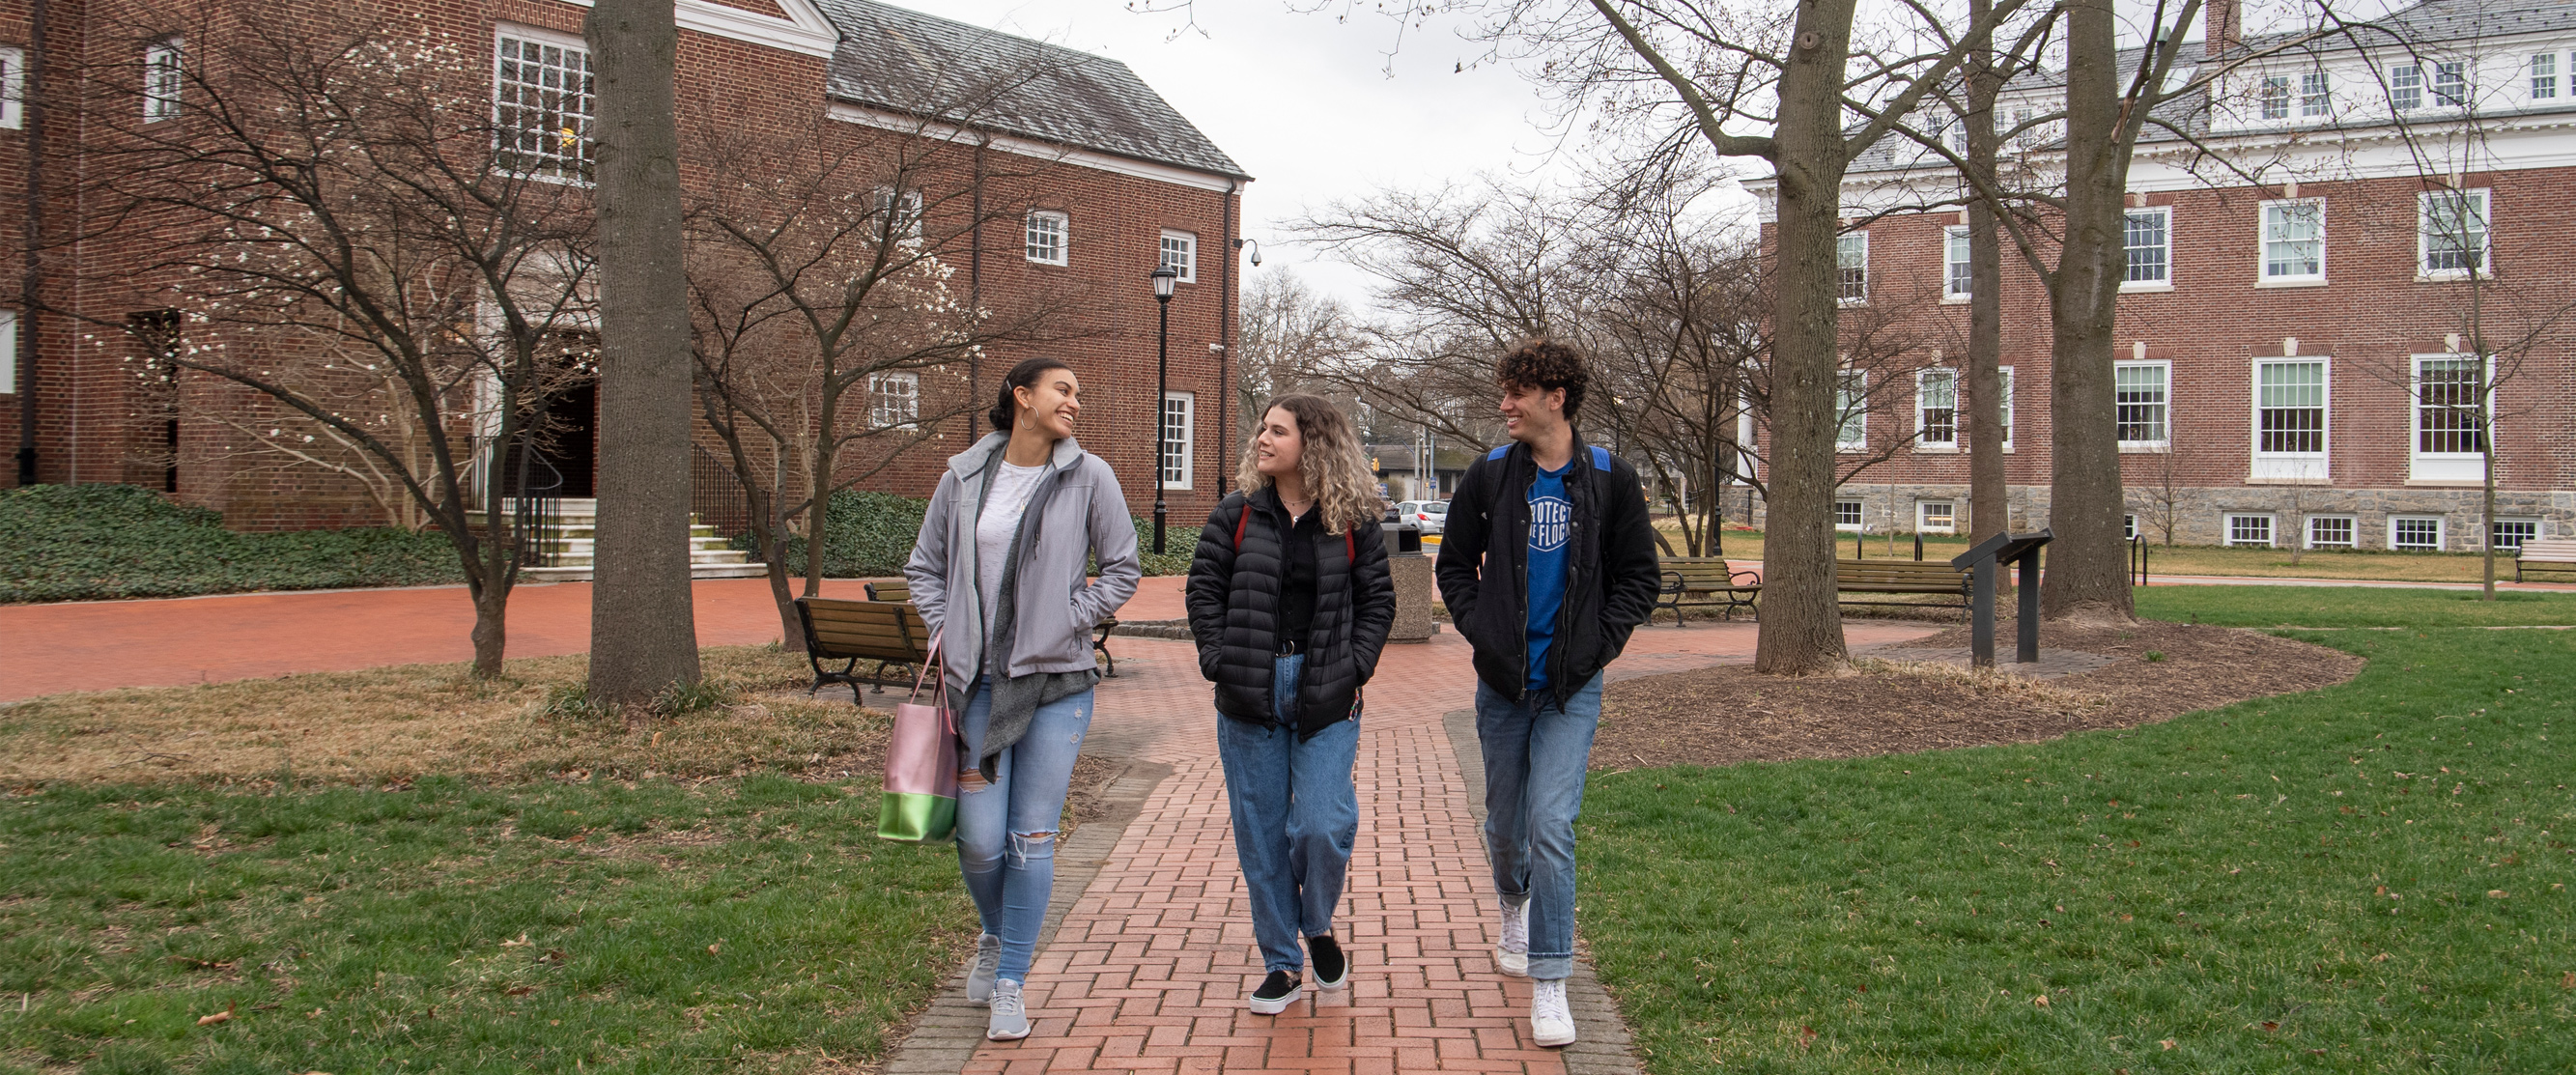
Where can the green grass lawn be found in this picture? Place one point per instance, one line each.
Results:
(2193, 559)
(2327, 606)
(740, 925)
(2371, 877)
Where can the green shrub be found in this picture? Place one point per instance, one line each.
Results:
(99, 542)
(871, 535)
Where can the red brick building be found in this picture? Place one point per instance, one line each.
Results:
(2297, 349)
(1112, 179)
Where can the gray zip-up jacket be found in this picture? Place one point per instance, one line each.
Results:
(1075, 512)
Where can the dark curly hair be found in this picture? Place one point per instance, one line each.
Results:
(1546, 365)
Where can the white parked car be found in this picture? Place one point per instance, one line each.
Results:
(1426, 514)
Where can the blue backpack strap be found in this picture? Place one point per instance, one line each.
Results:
(1600, 459)
(1497, 453)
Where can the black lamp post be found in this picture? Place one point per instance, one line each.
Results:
(1164, 276)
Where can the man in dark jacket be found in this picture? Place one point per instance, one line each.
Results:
(1547, 562)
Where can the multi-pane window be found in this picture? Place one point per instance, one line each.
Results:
(1851, 267)
(1177, 407)
(1846, 515)
(1937, 516)
(2451, 83)
(2294, 240)
(894, 399)
(2544, 75)
(2276, 97)
(2415, 533)
(2129, 527)
(2142, 402)
(2330, 531)
(1936, 400)
(162, 79)
(8, 352)
(2406, 87)
(2255, 530)
(2149, 239)
(543, 103)
(2448, 417)
(902, 215)
(2316, 98)
(2451, 231)
(13, 89)
(1851, 404)
(2509, 534)
(1046, 238)
(1181, 254)
(2004, 376)
(1958, 275)
(2290, 407)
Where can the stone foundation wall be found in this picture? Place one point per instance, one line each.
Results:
(2199, 514)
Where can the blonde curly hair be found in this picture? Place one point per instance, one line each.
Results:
(1331, 463)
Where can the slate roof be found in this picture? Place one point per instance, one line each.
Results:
(921, 65)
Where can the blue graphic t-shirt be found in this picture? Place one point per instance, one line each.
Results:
(1551, 521)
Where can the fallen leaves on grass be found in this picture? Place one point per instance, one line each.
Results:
(224, 1016)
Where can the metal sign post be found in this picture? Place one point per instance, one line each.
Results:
(1983, 562)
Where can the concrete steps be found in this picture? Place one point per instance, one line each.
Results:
(573, 540)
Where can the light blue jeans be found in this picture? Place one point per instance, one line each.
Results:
(1535, 754)
(1295, 817)
(1006, 830)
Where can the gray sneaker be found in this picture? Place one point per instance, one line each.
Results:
(979, 974)
(1008, 1021)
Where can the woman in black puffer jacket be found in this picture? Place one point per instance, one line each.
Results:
(1290, 600)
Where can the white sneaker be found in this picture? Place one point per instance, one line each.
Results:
(979, 975)
(1010, 1022)
(1511, 954)
(1551, 1021)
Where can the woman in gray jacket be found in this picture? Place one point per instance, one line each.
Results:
(998, 574)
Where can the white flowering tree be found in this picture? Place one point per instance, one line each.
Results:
(326, 205)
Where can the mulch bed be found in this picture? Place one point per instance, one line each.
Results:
(1720, 716)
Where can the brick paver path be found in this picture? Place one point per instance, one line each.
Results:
(1150, 967)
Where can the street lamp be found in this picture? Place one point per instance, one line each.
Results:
(1164, 276)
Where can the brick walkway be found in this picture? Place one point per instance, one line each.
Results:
(1150, 965)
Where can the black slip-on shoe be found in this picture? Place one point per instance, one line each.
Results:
(1332, 967)
(1277, 992)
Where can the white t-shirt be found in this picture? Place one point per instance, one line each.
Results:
(997, 526)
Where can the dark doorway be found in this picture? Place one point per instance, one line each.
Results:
(565, 433)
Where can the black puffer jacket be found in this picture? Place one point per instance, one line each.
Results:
(1611, 572)
(1235, 612)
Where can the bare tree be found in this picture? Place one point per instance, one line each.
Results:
(1291, 337)
(338, 224)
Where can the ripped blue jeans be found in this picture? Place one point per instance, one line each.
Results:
(1006, 830)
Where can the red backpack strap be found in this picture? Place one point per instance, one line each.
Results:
(1350, 548)
(1241, 517)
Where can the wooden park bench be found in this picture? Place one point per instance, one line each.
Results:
(2553, 557)
(902, 591)
(1707, 582)
(888, 632)
(1931, 577)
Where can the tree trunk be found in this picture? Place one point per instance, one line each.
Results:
(2087, 575)
(643, 632)
(1801, 621)
(1989, 512)
(491, 629)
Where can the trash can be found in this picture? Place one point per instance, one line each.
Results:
(1414, 586)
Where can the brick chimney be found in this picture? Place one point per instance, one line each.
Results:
(2224, 26)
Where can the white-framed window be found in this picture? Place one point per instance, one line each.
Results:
(2142, 403)
(13, 89)
(2316, 95)
(2290, 418)
(1847, 515)
(904, 213)
(2276, 97)
(2509, 534)
(2249, 529)
(543, 104)
(163, 78)
(1851, 268)
(2129, 527)
(2406, 87)
(2451, 233)
(2148, 236)
(2330, 531)
(8, 352)
(1936, 516)
(2294, 240)
(1046, 237)
(1178, 421)
(1958, 274)
(1936, 410)
(2451, 83)
(2415, 533)
(2004, 375)
(1181, 252)
(894, 399)
(2449, 421)
(2544, 75)
(1851, 410)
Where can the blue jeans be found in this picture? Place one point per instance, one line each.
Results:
(1535, 753)
(1295, 817)
(1006, 830)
